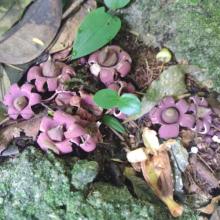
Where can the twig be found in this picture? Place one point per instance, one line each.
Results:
(117, 134)
(184, 96)
(205, 163)
(47, 107)
(14, 67)
(4, 121)
(72, 7)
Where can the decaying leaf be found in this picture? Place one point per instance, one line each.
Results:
(211, 207)
(10, 12)
(216, 214)
(170, 83)
(141, 189)
(202, 175)
(158, 174)
(41, 21)
(150, 140)
(137, 155)
(69, 29)
(29, 127)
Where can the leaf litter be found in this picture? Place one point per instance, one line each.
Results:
(182, 162)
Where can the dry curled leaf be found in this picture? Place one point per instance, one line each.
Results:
(41, 23)
(29, 127)
(211, 207)
(216, 214)
(202, 175)
(158, 174)
(69, 30)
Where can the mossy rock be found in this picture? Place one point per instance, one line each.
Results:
(190, 28)
(36, 185)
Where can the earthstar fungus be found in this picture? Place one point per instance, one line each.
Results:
(20, 100)
(200, 109)
(62, 131)
(50, 74)
(171, 115)
(109, 63)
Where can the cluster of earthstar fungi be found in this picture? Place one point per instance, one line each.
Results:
(194, 114)
(110, 65)
(61, 131)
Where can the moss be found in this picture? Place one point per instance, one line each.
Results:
(84, 172)
(36, 186)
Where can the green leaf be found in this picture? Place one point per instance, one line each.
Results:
(129, 104)
(97, 29)
(115, 4)
(106, 98)
(113, 123)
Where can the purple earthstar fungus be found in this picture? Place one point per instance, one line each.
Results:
(62, 131)
(109, 63)
(20, 100)
(170, 115)
(200, 109)
(50, 75)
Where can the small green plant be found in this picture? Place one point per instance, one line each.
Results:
(116, 4)
(113, 123)
(97, 29)
(127, 103)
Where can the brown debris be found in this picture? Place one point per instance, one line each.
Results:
(187, 137)
(29, 127)
(70, 27)
(211, 207)
(145, 67)
(202, 175)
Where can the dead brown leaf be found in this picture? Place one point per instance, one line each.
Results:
(33, 34)
(202, 175)
(29, 127)
(69, 29)
(158, 174)
(211, 207)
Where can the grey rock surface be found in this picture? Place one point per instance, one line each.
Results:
(189, 28)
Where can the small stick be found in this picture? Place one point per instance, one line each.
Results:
(117, 134)
(205, 163)
(4, 121)
(184, 96)
(47, 107)
(14, 67)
